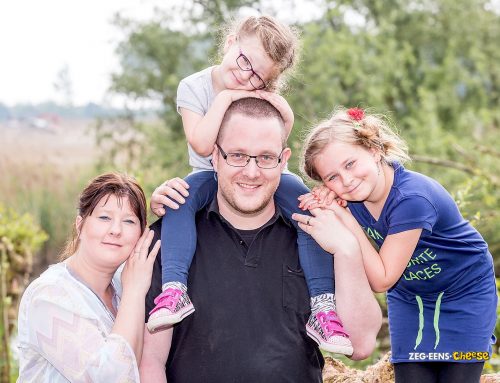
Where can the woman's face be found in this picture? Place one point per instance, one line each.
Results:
(108, 236)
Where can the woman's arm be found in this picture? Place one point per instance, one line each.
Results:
(136, 279)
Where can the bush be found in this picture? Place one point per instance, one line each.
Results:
(20, 238)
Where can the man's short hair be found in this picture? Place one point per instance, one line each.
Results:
(254, 108)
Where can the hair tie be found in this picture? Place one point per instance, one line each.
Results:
(356, 114)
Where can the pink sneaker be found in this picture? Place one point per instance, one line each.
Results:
(325, 328)
(172, 306)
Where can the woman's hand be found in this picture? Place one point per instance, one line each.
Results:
(282, 105)
(169, 194)
(137, 272)
(326, 227)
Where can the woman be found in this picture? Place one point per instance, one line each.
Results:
(77, 322)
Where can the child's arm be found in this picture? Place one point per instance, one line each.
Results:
(356, 304)
(383, 268)
(201, 131)
(282, 105)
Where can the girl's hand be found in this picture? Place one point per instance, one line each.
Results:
(328, 230)
(282, 105)
(137, 272)
(167, 194)
(318, 197)
(236, 94)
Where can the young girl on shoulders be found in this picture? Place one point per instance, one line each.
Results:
(435, 267)
(258, 51)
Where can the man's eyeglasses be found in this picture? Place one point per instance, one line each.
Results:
(245, 65)
(240, 160)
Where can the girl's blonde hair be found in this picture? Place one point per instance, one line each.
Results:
(371, 131)
(280, 41)
(117, 184)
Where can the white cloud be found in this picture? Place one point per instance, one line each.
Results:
(37, 38)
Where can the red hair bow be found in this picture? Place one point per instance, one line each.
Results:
(356, 114)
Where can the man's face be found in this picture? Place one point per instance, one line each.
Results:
(249, 190)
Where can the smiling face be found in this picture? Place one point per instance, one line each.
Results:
(248, 191)
(351, 171)
(230, 76)
(109, 234)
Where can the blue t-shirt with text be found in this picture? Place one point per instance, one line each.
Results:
(445, 300)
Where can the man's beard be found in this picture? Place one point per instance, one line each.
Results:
(228, 195)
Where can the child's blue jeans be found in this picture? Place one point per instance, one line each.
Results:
(178, 232)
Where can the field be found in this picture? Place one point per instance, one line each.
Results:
(42, 171)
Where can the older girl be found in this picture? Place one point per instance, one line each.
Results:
(435, 267)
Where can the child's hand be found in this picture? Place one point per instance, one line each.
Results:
(325, 196)
(236, 94)
(318, 197)
(167, 194)
(307, 200)
(282, 105)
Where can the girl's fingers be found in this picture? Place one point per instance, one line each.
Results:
(341, 202)
(306, 200)
(330, 198)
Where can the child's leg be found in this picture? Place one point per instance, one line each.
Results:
(178, 237)
(323, 325)
(178, 228)
(316, 262)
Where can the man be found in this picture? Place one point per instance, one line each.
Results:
(251, 298)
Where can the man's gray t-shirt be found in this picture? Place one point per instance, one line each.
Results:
(196, 93)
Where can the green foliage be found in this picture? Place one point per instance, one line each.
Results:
(20, 238)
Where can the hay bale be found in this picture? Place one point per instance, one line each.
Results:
(381, 372)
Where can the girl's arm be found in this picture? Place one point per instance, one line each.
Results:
(383, 268)
(201, 131)
(357, 307)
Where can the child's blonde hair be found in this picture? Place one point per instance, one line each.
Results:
(280, 41)
(353, 126)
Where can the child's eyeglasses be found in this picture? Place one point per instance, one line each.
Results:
(245, 65)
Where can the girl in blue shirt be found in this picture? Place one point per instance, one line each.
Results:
(435, 267)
